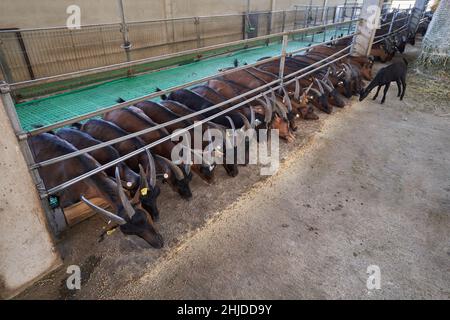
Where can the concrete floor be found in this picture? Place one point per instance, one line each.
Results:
(373, 189)
(368, 185)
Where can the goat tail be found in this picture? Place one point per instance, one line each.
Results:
(405, 61)
(164, 97)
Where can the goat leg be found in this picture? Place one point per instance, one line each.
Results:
(386, 88)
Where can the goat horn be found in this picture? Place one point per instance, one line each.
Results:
(309, 88)
(298, 88)
(252, 117)
(287, 100)
(152, 168)
(210, 144)
(316, 92)
(144, 183)
(267, 107)
(320, 86)
(123, 198)
(247, 124)
(233, 127)
(330, 89)
(103, 212)
(282, 109)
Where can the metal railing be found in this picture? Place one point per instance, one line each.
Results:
(257, 93)
(41, 53)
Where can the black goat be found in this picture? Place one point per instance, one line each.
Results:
(393, 72)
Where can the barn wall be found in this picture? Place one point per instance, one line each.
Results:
(50, 13)
(26, 249)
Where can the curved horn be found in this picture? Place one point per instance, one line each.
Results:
(103, 212)
(268, 110)
(327, 87)
(328, 81)
(316, 92)
(123, 198)
(282, 109)
(152, 168)
(252, 117)
(309, 88)
(144, 183)
(286, 99)
(320, 86)
(247, 124)
(187, 168)
(175, 169)
(298, 88)
(233, 127)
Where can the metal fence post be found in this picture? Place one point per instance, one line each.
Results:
(284, 21)
(392, 22)
(197, 31)
(55, 218)
(283, 57)
(124, 30)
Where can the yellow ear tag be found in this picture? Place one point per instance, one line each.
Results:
(110, 232)
(144, 191)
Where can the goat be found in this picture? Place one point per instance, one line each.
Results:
(393, 72)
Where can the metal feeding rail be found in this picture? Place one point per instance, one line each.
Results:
(25, 135)
(269, 87)
(197, 123)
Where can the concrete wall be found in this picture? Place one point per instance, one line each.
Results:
(26, 249)
(48, 13)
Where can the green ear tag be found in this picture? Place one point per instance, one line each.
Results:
(53, 201)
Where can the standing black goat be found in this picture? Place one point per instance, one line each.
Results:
(393, 72)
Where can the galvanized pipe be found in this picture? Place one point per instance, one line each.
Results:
(129, 155)
(25, 135)
(162, 125)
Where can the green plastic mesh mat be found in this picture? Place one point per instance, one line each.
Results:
(56, 108)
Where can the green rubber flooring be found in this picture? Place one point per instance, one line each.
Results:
(56, 108)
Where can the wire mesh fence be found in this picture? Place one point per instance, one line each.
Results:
(38, 53)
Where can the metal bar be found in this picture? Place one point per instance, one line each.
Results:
(25, 54)
(162, 125)
(124, 30)
(25, 135)
(37, 131)
(131, 154)
(388, 34)
(197, 31)
(71, 75)
(283, 57)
